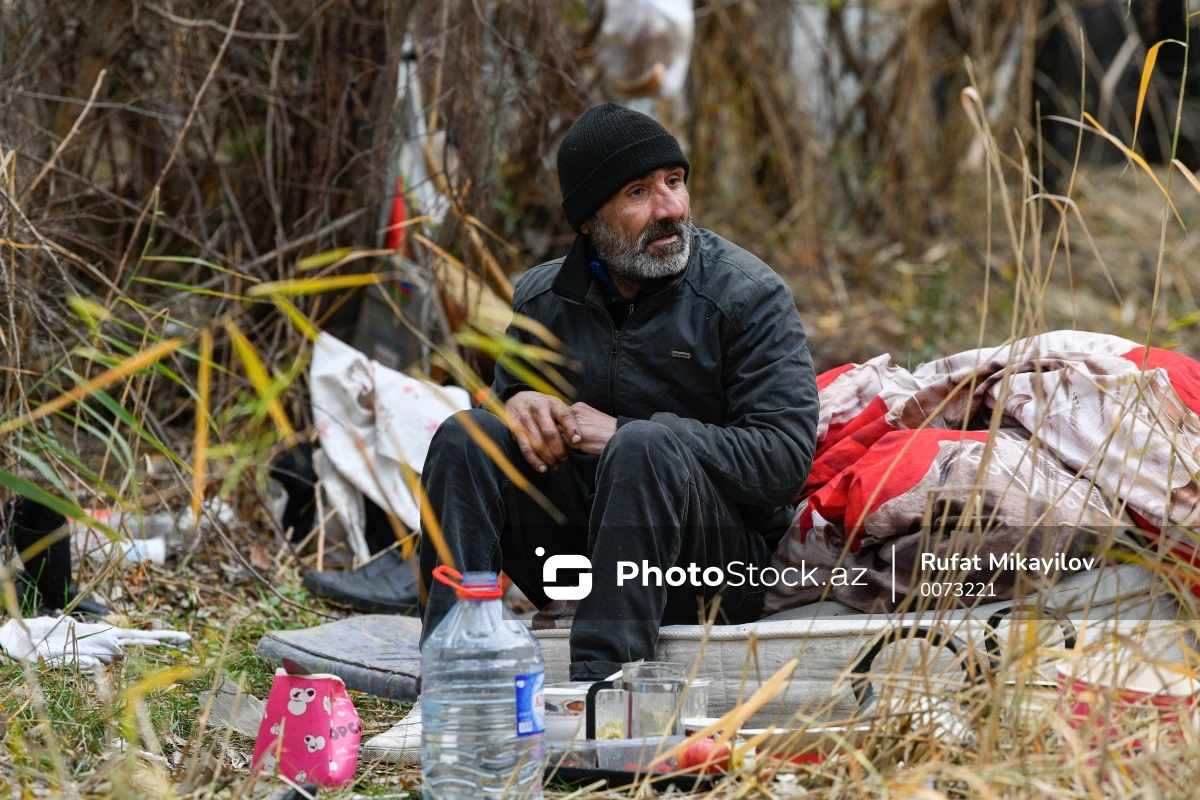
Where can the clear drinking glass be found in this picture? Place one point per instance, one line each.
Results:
(695, 699)
(612, 714)
(655, 689)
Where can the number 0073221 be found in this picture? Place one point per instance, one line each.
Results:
(956, 589)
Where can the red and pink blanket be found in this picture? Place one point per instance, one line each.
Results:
(1047, 447)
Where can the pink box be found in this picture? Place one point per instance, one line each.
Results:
(310, 731)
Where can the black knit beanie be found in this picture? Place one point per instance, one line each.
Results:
(606, 148)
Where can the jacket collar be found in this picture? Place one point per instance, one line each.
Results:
(574, 280)
(575, 276)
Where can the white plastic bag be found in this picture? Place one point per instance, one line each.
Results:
(645, 46)
(372, 420)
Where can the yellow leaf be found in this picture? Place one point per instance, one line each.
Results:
(226, 450)
(259, 378)
(1141, 162)
(121, 370)
(303, 286)
(439, 251)
(201, 262)
(153, 682)
(473, 221)
(1147, 72)
(1184, 322)
(297, 317)
(432, 528)
(200, 454)
(531, 325)
(159, 680)
(89, 311)
(408, 223)
(19, 245)
(318, 260)
(1187, 173)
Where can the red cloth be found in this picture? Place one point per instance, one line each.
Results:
(1088, 440)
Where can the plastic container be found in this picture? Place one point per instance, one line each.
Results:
(565, 703)
(579, 754)
(612, 715)
(482, 699)
(630, 755)
(96, 546)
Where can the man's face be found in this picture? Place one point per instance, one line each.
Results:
(644, 230)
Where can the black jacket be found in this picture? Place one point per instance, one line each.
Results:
(718, 355)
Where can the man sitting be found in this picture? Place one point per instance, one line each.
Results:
(693, 422)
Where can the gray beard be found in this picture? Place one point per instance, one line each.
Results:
(632, 260)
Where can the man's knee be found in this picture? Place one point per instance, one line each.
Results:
(645, 453)
(643, 441)
(461, 431)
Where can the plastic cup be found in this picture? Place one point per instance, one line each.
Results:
(565, 704)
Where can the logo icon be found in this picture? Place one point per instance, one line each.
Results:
(566, 561)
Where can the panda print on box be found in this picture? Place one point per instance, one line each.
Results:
(268, 764)
(310, 731)
(298, 700)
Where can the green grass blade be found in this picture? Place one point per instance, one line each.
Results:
(67, 508)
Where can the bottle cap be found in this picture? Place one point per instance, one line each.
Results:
(472, 586)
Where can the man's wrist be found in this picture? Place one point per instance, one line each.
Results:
(510, 391)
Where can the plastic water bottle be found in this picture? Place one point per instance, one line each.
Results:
(482, 699)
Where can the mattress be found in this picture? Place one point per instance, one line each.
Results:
(829, 639)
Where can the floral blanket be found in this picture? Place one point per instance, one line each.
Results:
(1047, 447)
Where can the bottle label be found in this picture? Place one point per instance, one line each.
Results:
(531, 703)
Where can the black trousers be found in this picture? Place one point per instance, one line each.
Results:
(646, 501)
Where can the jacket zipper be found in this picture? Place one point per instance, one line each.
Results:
(612, 357)
(616, 339)
(612, 361)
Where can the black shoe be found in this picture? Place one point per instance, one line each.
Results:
(42, 539)
(385, 585)
(30, 600)
(87, 609)
(294, 470)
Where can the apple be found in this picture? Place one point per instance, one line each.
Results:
(704, 757)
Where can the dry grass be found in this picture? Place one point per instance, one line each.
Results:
(166, 181)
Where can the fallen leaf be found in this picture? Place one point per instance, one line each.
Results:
(259, 557)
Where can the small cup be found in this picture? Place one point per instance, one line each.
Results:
(695, 699)
(565, 703)
(655, 689)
